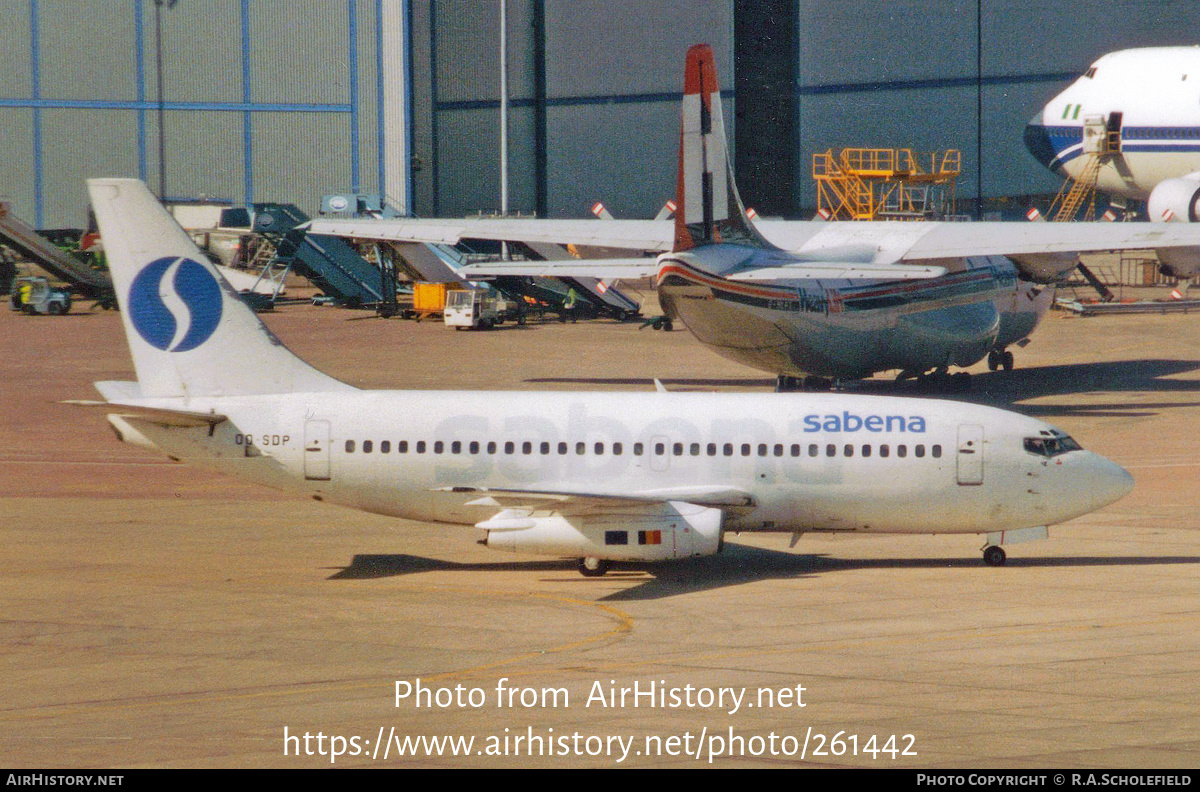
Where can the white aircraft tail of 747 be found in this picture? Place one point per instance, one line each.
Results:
(597, 477)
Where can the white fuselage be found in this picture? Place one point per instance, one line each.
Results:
(1149, 97)
(822, 462)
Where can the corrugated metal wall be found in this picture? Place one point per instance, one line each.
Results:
(260, 100)
(611, 85)
(279, 101)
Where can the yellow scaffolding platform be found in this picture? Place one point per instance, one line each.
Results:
(886, 184)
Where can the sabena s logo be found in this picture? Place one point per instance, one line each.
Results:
(175, 304)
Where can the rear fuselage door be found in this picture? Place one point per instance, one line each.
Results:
(316, 450)
(970, 454)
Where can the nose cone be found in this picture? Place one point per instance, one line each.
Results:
(1108, 482)
(1039, 143)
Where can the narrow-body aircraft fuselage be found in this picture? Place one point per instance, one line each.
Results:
(784, 462)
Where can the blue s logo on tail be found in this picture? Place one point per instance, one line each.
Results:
(175, 304)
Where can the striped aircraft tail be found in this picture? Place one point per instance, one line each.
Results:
(708, 208)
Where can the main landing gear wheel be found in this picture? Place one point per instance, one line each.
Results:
(994, 555)
(592, 567)
(1000, 359)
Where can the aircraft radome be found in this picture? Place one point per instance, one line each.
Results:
(812, 300)
(598, 477)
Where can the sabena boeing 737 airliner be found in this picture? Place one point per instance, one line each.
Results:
(598, 477)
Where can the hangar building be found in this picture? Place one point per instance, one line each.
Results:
(250, 100)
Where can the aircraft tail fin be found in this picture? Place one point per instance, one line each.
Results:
(708, 208)
(189, 332)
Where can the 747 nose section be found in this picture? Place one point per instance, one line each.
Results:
(1039, 142)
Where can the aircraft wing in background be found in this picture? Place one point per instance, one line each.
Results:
(1043, 251)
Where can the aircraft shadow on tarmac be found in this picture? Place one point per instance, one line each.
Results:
(738, 564)
(1002, 388)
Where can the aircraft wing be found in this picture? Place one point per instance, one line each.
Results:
(627, 234)
(581, 502)
(648, 267)
(918, 241)
(884, 242)
(1017, 239)
(1041, 250)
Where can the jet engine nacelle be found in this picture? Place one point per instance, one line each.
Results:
(658, 532)
(1175, 200)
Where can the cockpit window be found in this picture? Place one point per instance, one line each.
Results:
(1051, 445)
(1090, 73)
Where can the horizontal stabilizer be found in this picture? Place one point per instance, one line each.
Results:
(156, 415)
(839, 269)
(627, 268)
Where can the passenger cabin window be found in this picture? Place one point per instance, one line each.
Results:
(367, 446)
(350, 446)
(385, 446)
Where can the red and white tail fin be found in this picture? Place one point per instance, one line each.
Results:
(708, 208)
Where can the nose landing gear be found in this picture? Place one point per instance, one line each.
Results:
(592, 566)
(994, 555)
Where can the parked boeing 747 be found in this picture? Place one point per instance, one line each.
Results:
(598, 477)
(1131, 123)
